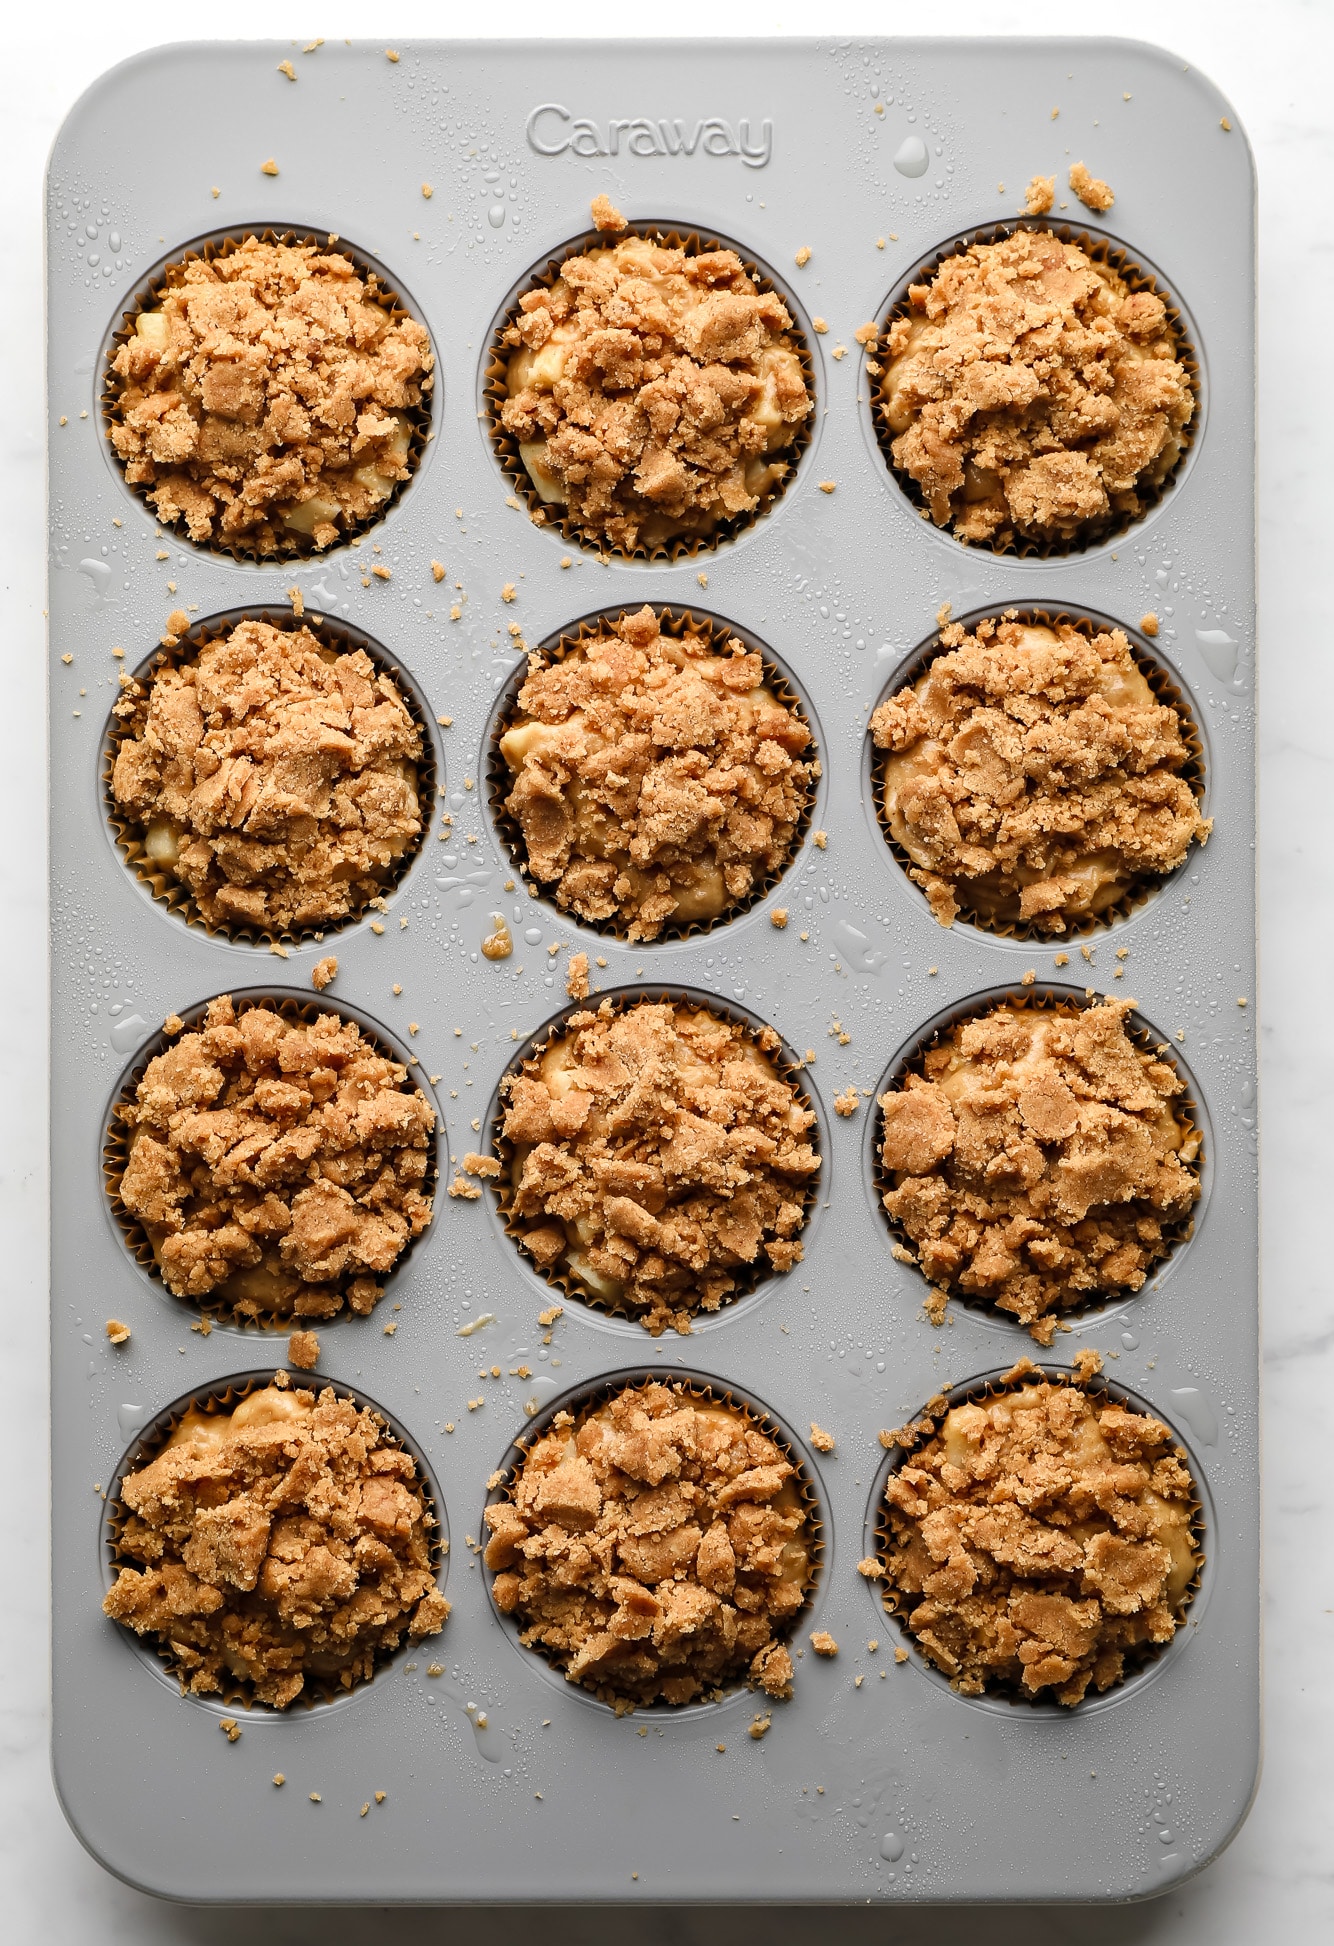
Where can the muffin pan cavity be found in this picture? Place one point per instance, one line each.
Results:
(470, 172)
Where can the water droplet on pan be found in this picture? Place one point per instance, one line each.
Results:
(891, 1847)
(1199, 1415)
(910, 158)
(495, 216)
(128, 1033)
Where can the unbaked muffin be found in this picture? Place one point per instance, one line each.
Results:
(1038, 1158)
(1032, 776)
(655, 1159)
(1032, 395)
(654, 395)
(1041, 1538)
(283, 1546)
(275, 780)
(656, 779)
(266, 399)
(656, 1547)
(278, 1166)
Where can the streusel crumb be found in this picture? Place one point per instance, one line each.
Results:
(1091, 191)
(303, 1350)
(652, 393)
(1040, 1537)
(576, 976)
(276, 1167)
(1032, 775)
(823, 1643)
(274, 778)
(324, 973)
(285, 1542)
(655, 1154)
(1040, 195)
(822, 1441)
(1033, 393)
(656, 1548)
(605, 215)
(656, 778)
(1037, 1159)
(267, 399)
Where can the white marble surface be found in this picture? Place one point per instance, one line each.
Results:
(1278, 1877)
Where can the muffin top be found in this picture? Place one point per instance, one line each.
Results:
(1037, 1160)
(272, 777)
(655, 1154)
(656, 779)
(284, 1545)
(1032, 776)
(1033, 394)
(652, 393)
(1038, 1536)
(265, 399)
(655, 1548)
(277, 1167)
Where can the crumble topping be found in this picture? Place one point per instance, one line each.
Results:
(277, 1167)
(1038, 1537)
(656, 1548)
(652, 393)
(284, 1543)
(655, 777)
(655, 1153)
(274, 778)
(266, 399)
(1040, 195)
(1032, 393)
(1092, 192)
(1037, 1159)
(1033, 776)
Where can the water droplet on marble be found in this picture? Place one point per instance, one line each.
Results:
(910, 158)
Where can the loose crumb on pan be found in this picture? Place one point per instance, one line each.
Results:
(1032, 393)
(266, 400)
(117, 1333)
(324, 973)
(1148, 623)
(1039, 1536)
(655, 778)
(822, 1441)
(605, 215)
(823, 1643)
(1092, 193)
(1036, 1159)
(778, 918)
(281, 1544)
(656, 1548)
(230, 1728)
(653, 393)
(303, 1350)
(655, 1154)
(1032, 775)
(848, 1102)
(273, 778)
(276, 1167)
(576, 976)
(1040, 195)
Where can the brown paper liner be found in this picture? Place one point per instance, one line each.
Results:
(977, 1392)
(675, 622)
(116, 1150)
(747, 1277)
(1050, 999)
(223, 1396)
(1117, 257)
(696, 1387)
(1141, 889)
(166, 276)
(684, 547)
(165, 887)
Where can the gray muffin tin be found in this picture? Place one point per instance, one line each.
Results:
(876, 1783)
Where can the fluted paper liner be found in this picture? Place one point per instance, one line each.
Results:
(1104, 250)
(694, 1386)
(1048, 999)
(172, 892)
(1166, 690)
(977, 1392)
(714, 632)
(684, 547)
(223, 1396)
(166, 276)
(116, 1150)
(746, 1277)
